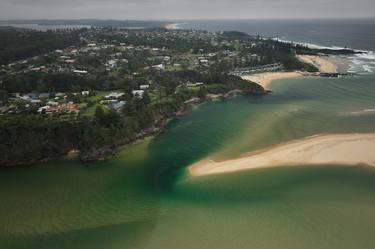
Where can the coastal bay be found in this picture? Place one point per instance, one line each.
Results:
(141, 197)
(327, 149)
(145, 196)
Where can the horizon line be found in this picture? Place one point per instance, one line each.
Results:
(182, 19)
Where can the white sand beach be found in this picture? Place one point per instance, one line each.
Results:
(321, 62)
(344, 149)
(265, 79)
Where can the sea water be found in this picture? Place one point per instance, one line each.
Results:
(144, 198)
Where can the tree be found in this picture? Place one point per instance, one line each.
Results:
(100, 116)
(130, 108)
(202, 92)
(3, 96)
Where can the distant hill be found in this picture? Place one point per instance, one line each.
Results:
(91, 22)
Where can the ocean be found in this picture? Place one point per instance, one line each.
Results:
(144, 198)
(353, 33)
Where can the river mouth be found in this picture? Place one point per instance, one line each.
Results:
(142, 198)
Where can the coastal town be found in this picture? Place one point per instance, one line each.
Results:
(187, 124)
(130, 81)
(133, 55)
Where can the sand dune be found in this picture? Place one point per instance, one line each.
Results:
(347, 149)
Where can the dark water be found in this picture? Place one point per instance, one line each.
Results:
(142, 198)
(354, 33)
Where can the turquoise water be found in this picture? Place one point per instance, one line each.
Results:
(143, 197)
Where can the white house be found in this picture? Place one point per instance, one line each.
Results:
(138, 93)
(194, 84)
(85, 93)
(144, 87)
(114, 95)
(80, 71)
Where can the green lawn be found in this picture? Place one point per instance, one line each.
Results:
(90, 111)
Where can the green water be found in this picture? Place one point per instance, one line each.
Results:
(143, 197)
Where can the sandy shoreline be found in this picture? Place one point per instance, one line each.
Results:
(322, 63)
(346, 149)
(265, 79)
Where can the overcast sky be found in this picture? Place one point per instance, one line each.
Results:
(184, 9)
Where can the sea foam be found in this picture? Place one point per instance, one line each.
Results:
(361, 63)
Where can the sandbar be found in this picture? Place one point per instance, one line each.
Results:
(342, 149)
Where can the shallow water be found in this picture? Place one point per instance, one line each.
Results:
(143, 197)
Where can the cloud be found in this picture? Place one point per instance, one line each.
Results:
(185, 9)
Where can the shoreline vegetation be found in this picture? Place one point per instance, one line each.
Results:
(345, 149)
(194, 69)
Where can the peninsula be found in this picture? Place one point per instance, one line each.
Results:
(92, 90)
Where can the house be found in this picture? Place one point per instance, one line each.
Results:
(44, 95)
(52, 103)
(80, 71)
(85, 93)
(25, 98)
(203, 62)
(144, 87)
(194, 84)
(255, 57)
(35, 101)
(71, 108)
(138, 93)
(112, 63)
(52, 109)
(31, 95)
(117, 105)
(35, 69)
(159, 67)
(60, 96)
(43, 109)
(263, 68)
(114, 95)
